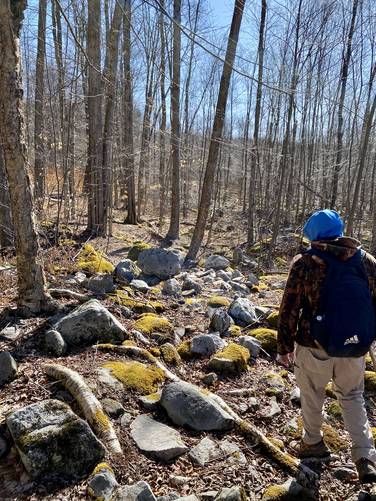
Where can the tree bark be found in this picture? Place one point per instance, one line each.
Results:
(207, 186)
(6, 228)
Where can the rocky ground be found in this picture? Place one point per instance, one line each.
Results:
(212, 326)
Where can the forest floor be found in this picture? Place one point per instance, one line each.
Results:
(256, 473)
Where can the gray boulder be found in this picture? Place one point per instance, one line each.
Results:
(216, 262)
(242, 311)
(157, 439)
(90, 323)
(53, 442)
(136, 492)
(186, 404)
(102, 485)
(139, 285)
(220, 320)
(54, 343)
(163, 263)
(171, 287)
(103, 283)
(205, 345)
(126, 271)
(252, 344)
(8, 368)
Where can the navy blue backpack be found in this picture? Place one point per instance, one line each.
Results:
(344, 323)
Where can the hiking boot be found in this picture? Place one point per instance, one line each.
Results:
(319, 450)
(366, 471)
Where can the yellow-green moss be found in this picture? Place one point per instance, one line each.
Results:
(369, 363)
(334, 409)
(235, 331)
(156, 352)
(218, 301)
(100, 467)
(272, 319)
(370, 380)
(137, 376)
(129, 342)
(150, 322)
(373, 430)
(184, 350)
(275, 493)
(277, 442)
(94, 261)
(136, 249)
(329, 390)
(154, 397)
(102, 420)
(283, 373)
(333, 440)
(170, 354)
(121, 297)
(267, 338)
(237, 354)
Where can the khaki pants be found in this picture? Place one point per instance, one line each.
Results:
(313, 370)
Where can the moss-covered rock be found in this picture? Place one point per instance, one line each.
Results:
(373, 430)
(137, 376)
(334, 409)
(329, 391)
(136, 249)
(150, 322)
(156, 352)
(272, 319)
(275, 384)
(235, 331)
(218, 301)
(122, 298)
(267, 338)
(170, 354)
(369, 363)
(233, 358)
(370, 380)
(275, 492)
(129, 342)
(184, 350)
(93, 261)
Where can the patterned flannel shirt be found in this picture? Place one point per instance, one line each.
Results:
(302, 291)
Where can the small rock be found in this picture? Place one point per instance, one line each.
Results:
(206, 345)
(8, 368)
(191, 497)
(220, 320)
(191, 284)
(252, 344)
(107, 379)
(241, 289)
(112, 407)
(139, 285)
(272, 410)
(210, 379)
(236, 274)
(216, 262)
(171, 287)
(232, 452)
(54, 343)
(251, 280)
(126, 271)
(102, 485)
(226, 277)
(231, 494)
(10, 333)
(157, 439)
(150, 402)
(125, 312)
(292, 426)
(243, 312)
(343, 473)
(136, 492)
(126, 420)
(208, 495)
(171, 496)
(138, 336)
(151, 280)
(295, 395)
(290, 490)
(253, 403)
(102, 283)
(242, 408)
(178, 480)
(204, 452)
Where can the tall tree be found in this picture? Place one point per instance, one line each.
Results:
(32, 295)
(216, 136)
(6, 228)
(173, 232)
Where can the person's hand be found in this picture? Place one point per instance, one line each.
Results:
(286, 360)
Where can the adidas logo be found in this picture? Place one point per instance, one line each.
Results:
(352, 340)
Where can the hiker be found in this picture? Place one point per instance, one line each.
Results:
(326, 326)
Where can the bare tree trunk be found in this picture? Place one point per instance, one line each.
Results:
(39, 161)
(128, 118)
(162, 128)
(32, 296)
(173, 232)
(207, 187)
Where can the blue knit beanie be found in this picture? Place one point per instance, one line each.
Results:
(324, 224)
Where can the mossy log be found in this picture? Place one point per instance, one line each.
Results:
(244, 427)
(90, 406)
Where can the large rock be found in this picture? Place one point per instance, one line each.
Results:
(187, 405)
(221, 320)
(53, 442)
(160, 262)
(243, 312)
(102, 484)
(171, 287)
(157, 439)
(205, 345)
(136, 492)
(8, 368)
(126, 271)
(217, 262)
(90, 323)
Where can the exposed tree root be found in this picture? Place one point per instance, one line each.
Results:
(90, 406)
(244, 427)
(68, 293)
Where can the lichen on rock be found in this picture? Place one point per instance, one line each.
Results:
(142, 378)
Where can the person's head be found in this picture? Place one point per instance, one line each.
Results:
(324, 225)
